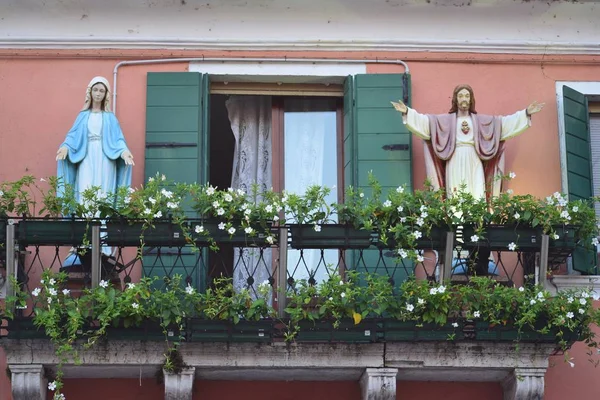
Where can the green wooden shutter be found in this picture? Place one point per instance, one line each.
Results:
(579, 164)
(375, 139)
(177, 118)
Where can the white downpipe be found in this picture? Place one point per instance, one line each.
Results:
(243, 59)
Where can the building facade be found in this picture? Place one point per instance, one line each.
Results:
(173, 65)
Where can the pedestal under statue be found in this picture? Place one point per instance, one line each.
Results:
(94, 152)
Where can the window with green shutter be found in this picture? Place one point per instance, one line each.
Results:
(176, 146)
(376, 140)
(579, 165)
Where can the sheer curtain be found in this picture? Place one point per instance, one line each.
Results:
(250, 118)
(310, 159)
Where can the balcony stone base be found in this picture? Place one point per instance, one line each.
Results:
(520, 371)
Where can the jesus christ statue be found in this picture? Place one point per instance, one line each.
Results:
(463, 147)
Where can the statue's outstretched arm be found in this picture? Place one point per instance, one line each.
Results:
(533, 108)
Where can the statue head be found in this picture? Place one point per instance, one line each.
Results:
(467, 101)
(98, 80)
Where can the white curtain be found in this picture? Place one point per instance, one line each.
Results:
(309, 157)
(250, 118)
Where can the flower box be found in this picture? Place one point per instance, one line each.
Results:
(57, 232)
(148, 330)
(324, 332)
(200, 330)
(331, 236)
(411, 331)
(498, 237)
(24, 328)
(500, 333)
(127, 233)
(436, 239)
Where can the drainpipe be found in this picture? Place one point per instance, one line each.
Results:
(243, 59)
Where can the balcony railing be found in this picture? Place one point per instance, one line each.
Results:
(35, 245)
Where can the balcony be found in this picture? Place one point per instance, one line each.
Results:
(462, 346)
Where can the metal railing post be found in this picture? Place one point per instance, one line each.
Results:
(96, 256)
(282, 273)
(542, 271)
(446, 272)
(11, 270)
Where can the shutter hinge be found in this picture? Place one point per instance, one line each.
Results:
(395, 147)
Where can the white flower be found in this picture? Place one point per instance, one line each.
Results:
(595, 296)
(572, 364)
(569, 300)
(420, 258)
(270, 239)
(152, 200)
(517, 215)
(343, 295)
(585, 295)
(562, 202)
(199, 229)
(220, 211)
(433, 291)
(402, 253)
(275, 218)
(269, 208)
(595, 241)
(66, 292)
(387, 203)
(521, 289)
(36, 292)
(167, 193)
(1, 193)
(230, 189)
(476, 314)
(420, 301)
(216, 204)
(231, 230)
(400, 189)
(210, 190)
(409, 307)
(172, 204)
(317, 228)
(424, 214)
(52, 281)
(52, 292)
(247, 211)
(564, 214)
(240, 192)
(582, 301)
(130, 285)
(49, 300)
(403, 219)
(512, 175)
(151, 179)
(400, 208)
(422, 208)
(361, 195)
(570, 315)
(550, 200)
(581, 311)
(512, 246)
(52, 386)
(163, 177)
(420, 221)
(147, 211)
(127, 200)
(575, 209)
(189, 289)
(417, 234)
(228, 198)
(221, 226)
(555, 236)
(540, 295)
(442, 289)
(509, 191)
(249, 230)
(158, 214)
(331, 299)
(455, 324)
(474, 238)
(135, 306)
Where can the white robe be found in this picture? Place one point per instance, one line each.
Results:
(464, 166)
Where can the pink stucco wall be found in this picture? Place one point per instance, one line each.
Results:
(42, 91)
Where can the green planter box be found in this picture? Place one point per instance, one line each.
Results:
(61, 232)
(498, 237)
(23, 328)
(436, 239)
(324, 332)
(125, 233)
(400, 331)
(331, 236)
(146, 331)
(200, 330)
(509, 333)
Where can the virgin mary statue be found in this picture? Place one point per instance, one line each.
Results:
(94, 152)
